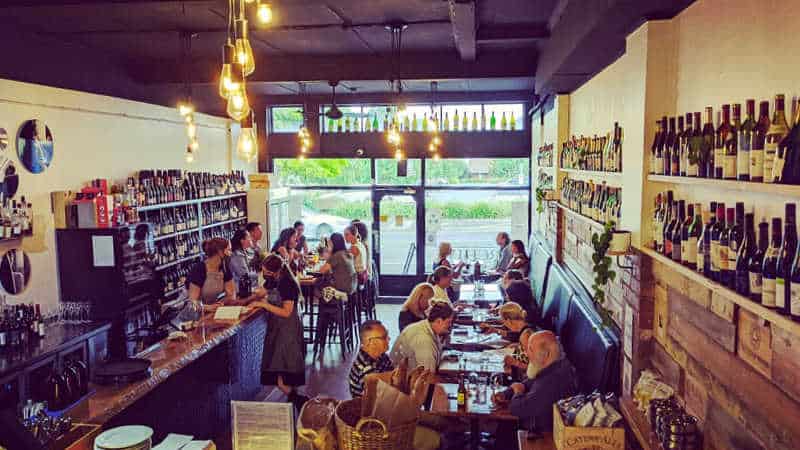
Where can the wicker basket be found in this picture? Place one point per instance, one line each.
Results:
(315, 427)
(365, 433)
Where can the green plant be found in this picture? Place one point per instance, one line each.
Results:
(602, 270)
(540, 195)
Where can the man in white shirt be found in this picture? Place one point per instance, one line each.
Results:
(422, 342)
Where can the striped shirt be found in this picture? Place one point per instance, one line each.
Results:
(363, 366)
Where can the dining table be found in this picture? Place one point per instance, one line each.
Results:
(488, 362)
(470, 339)
(444, 403)
(486, 294)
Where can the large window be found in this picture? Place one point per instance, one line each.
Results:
(478, 172)
(323, 172)
(386, 173)
(286, 119)
(327, 211)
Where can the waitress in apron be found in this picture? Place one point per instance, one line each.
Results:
(212, 278)
(283, 362)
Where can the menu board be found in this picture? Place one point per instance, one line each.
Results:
(260, 425)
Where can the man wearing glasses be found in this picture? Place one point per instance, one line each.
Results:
(372, 357)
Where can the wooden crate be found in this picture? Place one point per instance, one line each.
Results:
(585, 438)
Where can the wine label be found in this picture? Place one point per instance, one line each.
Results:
(780, 293)
(795, 299)
(668, 247)
(701, 259)
(743, 154)
(690, 255)
(676, 251)
(756, 163)
(755, 283)
(714, 256)
(733, 251)
(719, 156)
(723, 257)
(770, 148)
(768, 292)
(729, 167)
(659, 165)
(777, 168)
(692, 170)
(684, 252)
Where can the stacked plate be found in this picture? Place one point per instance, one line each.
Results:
(130, 437)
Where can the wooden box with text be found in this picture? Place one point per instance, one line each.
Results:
(585, 438)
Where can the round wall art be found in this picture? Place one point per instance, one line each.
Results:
(15, 271)
(3, 139)
(35, 145)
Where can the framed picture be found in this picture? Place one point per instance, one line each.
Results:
(35, 146)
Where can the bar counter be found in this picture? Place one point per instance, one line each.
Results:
(192, 382)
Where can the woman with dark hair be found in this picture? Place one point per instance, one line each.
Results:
(441, 278)
(519, 259)
(209, 279)
(283, 361)
(243, 278)
(359, 253)
(284, 247)
(340, 265)
(520, 292)
(363, 232)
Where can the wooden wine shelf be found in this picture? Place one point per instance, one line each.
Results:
(177, 233)
(786, 190)
(217, 224)
(581, 217)
(767, 314)
(614, 178)
(637, 422)
(176, 262)
(141, 209)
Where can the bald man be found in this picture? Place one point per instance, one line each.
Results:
(550, 378)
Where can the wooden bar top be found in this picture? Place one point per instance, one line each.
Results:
(444, 404)
(109, 400)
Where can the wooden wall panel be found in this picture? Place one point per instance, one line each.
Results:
(719, 330)
(755, 342)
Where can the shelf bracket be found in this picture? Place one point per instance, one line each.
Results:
(629, 268)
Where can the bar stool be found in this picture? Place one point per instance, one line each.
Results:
(332, 322)
(310, 311)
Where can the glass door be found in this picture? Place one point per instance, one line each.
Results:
(398, 235)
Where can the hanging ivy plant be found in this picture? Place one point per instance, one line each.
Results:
(540, 196)
(602, 270)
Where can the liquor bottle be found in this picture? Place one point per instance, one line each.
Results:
(618, 137)
(725, 273)
(339, 126)
(745, 141)
(735, 236)
(375, 123)
(464, 122)
(695, 146)
(794, 289)
(731, 145)
(513, 122)
(657, 224)
(666, 217)
(722, 137)
(706, 157)
(655, 151)
(670, 228)
(456, 122)
(675, 151)
(693, 235)
(769, 269)
(783, 267)
(446, 124)
(787, 162)
(777, 131)
(686, 134)
(747, 249)
(461, 396)
(759, 143)
(492, 122)
(684, 241)
(406, 123)
(716, 234)
(414, 123)
(474, 121)
(669, 141)
(677, 232)
(503, 122)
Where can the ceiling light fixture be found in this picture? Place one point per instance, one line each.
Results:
(226, 74)
(264, 12)
(247, 143)
(238, 105)
(244, 52)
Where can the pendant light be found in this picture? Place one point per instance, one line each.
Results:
(264, 12)
(244, 52)
(238, 106)
(226, 75)
(246, 145)
(189, 155)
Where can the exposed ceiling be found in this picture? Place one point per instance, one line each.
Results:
(466, 45)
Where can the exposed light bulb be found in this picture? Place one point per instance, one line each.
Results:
(301, 157)
(226, 74)
(398, 154)
(189, 155)
(194, 145)
(189, 118)
(238, 106)
(185, 108)
(191, 130)
(264, 13)
(435, 156)
(244, 52)
(437, 141)
(431, 147)
(246, 145)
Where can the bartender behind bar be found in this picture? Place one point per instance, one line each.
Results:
(211, 278)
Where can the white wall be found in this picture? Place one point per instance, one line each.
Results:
(97, 137)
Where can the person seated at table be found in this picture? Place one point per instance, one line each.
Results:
(513, 321)
(340, 266)
(210, 279)
(284, 247)
(422, 342)
(359, 253)
(504, 255)
(520, 292)
(301, 245)
(445, 250)
(517, 362)
(441, 279)
(550, 378)
(239, 263)
(372, 357)
(363, 232)
(416, 304)
(519, 259)
(508, 277)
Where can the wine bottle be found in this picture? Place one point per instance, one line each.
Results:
(675, 152)
(768, 270)
(695, 143)
(735, 237)
(654, 155)
(758, 143)
(474, 121)
(655, 223)
(503, 122)
(670, 228)
(794, 288)
(747, 249)
(716, 235)
(745, 140)
(722, 137)
(731, 145)
(777, 131)
(456, 122)
(695, 234)
(668, 146)
(756, 263)
(783, 267)
(677, 232)
(492, 122)
(685, 242)
(787, 162)
(684, 138)
(464, 122)
(512, 122)
(726, 273)
(706, 156)
(704, 242)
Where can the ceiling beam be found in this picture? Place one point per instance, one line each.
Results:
(463, 16)
(40, 3)
(411, 66)
(411, 98)
(512, 33)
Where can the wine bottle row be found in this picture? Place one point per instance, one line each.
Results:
(178, 247)
(424, 123)
(222, 231)
(154, 187)
(722, 244)
(16, 219)
(222, 210)
(758, 149)
(175, 277)
(601, 154)
(598, 202)
(544, 156)
(20, 324)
